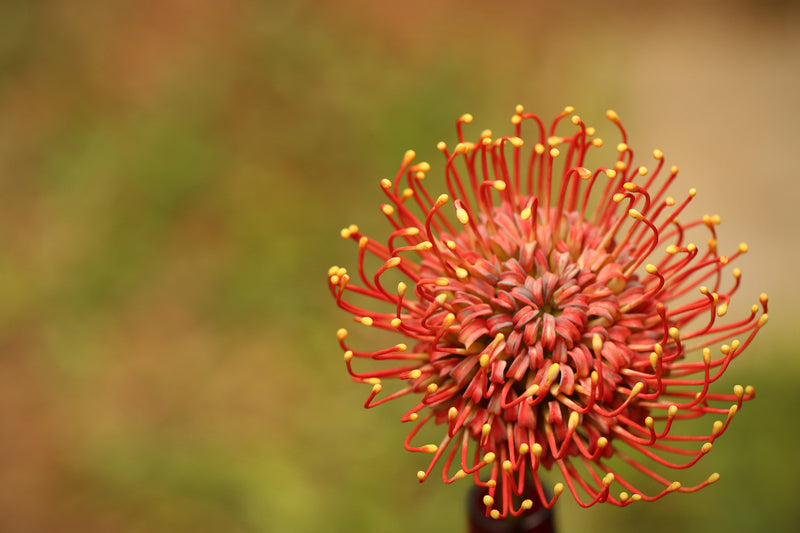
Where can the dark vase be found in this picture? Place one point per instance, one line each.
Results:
(537, 519)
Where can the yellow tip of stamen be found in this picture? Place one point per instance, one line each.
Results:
(621, 165)
(611, 173)
(421, 475)
(635, 214)
(430, 448)
(524, 449)
(608, 479)
(495, 514)
(716, 428)
(367, 320)
(554, 152)
(499, 185)
(618, 197)
(460, 475)
(636, 497)
(598, 142)
(491, 483)
(692, 192)
(590, 131)
(706, 447)
(706, 356)
(525, 214)
(629, 186)
(413, 417)
(345, 233)
(658, 154)
(441, 146)
(415, 374)
(348, 356)
(637, 388)
(401, 347)
(558, 488)
(392, 262)
(362, 242)
(651, 268)
(722, 310)
(675, 333)
(713, 478)
(484, 360)
(763, 298)
(642, 171)
(451, 244)
(574, 418)
(584, 173)
(569, 109)
(576, 120)
(341, 333)
(376, 388)
(485, 430)
(691, 247)
(553, 371)
(488, 501)
(508, 466)
(489, 457)
(441, 298)
(461, 273)
(537, 449)
(396, 322)
(519, 109)
(623, 496)
(612, 115)
(621, 147)
(387, 209)
(452, 414)
(516, 142)
(763, 320)
(675, 485)
(526, 504)
(602, 442)
(442, 282)
(516, 119)
(466, 118)
(671, 249)
(597, 343)
(409, 156)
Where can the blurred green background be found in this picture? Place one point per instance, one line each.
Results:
(173, 177)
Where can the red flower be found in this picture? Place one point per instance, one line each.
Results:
(555, 317)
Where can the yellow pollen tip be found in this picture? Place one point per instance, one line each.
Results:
(635, 214)
(441, 298)
(484, 360)
(538, 148)
(706, 356)
(376, 388)
(452, 413)
(526, 504)
(507, 466)
(722, 310)
(499, 185)
(430, 448)
(569, 109)
(608, 479)
(602, 442)
(649, 422)
(674, 333)
(576, 120)
(598, 142)
(658, 154)
(443, 198)
(348, 356)
(554, 152)
(488, 501)
(341, 333)
(669, 201)
(558, 488)
(524, 449)
(621, 147)
(611, 173)
(574, 418)
(763, 320)
(637, 388)
(442, 282)
(485, 431)
(519, 109)
(495, 514)
(636, 497)
(675, 485)
(460, 475)
(651, 269)
(629, 186)
(421, 475)
(713, 478)
(597, 343)
(584, 173)
(441, 146)
(491, 483)
(763, 298)
(367, 320)
(525, 214)
(590, 131)
(333, 270)
(345, 233)
(618, 197)
(489, 457)
(392, 262)
(466, 118)
(537, 449)
(386, 184)
(486, 134)
(623, 496)
(401, 347)
(516, 142)
(461, 273)
(415, 374)
(642, 171)
(692, 192)
(691, 247)
(612, 115)
(387, 210)
(716, 428)
(706, 447)
(413, 417)
(553, 371)
(396, 322)
(451, 244)
(362, 242)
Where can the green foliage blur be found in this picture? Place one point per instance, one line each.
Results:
(173, 178)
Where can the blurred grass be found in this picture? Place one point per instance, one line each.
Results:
(173, 176)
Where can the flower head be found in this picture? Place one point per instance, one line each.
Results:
(555, 317)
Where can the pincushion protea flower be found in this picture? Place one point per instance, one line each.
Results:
(555, 317)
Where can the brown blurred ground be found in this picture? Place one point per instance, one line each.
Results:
(173, 175)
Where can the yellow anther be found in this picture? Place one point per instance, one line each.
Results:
(484, 360)
(516, 142)
(635, 214)
(554, 152)
(669, 201)
(392, 262)
(396, 322)
(553, 371)
(611, 173)
(386, 184)
(466, 118)
(462, 215)
(703, 290)
(333, 270)
(749, 390)
(649, 422)
(488, 501)
(716, 428)
(460, 475)
(461, 273)
(362, 242)
(516, 119)
(738, 390)
(519, 109)
(597, 343)
(722, 309)
(621, 147)
(763, 320)
(508, 466)
(674, 333)
(658, 154)
(413, 417)
(367, 320)
(608, 479)
(441, 298)
(636, 497)
(401, 288)
(716, 219)
(348, 356)
(376, 388)
(421, 475)
(491, 483)
(574, 418)
(451, 244)
(538, 148)
(489, 457)
(620, 166)
(584, 173)
(713, 478)
(598, 142)
(441, 200)
(602, 442)
(415, 374)
(612, 115)
(526, 504)
(495, 514)
(692, 192)
(499, 185)
(691, 247)
(554, 141)
(654, 360)
(642, 171)
(485, 430)
(629, 186)
(763, 298)
(341, 333)
(623, 496)
(525, 214)
(637, 388)
(576, 120)
(430, 448)
(589, 131)
(706, 447)
(658, 349)
(524, 449)
(675, 485)
(401, 347)
(387, 209)
(537, 449)
(558, 488)
(345, 233)
(452, 414)
(569, 109)
(441, 146)
(707, 356)
(442, 282)
(618, 197)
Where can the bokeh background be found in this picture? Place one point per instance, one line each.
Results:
(173, 177)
